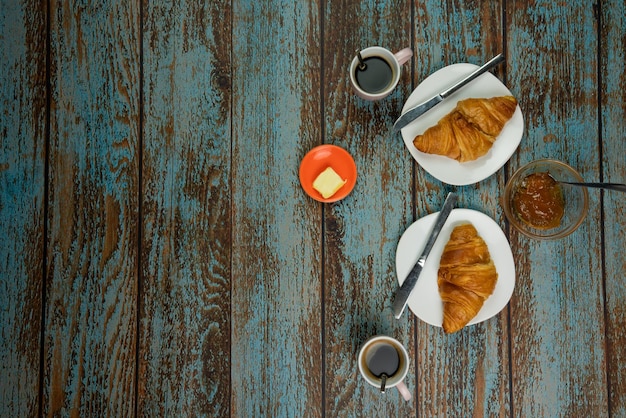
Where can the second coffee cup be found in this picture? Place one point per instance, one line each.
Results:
(384, 363)
(375, 71)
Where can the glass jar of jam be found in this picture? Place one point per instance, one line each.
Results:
(538, 201)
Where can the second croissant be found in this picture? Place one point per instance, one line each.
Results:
(467, 276)
(469, 131)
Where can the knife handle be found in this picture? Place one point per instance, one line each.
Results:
(448, 205)
(485, 67)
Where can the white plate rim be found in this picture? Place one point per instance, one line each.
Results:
(446, 169)
(425, 301)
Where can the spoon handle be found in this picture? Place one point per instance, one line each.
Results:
(609, 186)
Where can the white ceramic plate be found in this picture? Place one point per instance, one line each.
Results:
(446, 169)
(425, 301)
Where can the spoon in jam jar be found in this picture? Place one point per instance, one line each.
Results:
(608, 186)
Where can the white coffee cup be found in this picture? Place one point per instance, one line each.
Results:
(372, 357)
(394, 61)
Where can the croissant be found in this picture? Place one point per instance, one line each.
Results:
(467, 276)
(469, 131)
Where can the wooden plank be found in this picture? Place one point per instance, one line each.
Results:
(184, 352)
(22, 197)
(91, 312)
(276, 364)
(557, 317)
(613, 105)
(466, 372)
(362, 231)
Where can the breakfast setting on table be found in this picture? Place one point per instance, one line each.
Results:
(313, 209)
(455, 267)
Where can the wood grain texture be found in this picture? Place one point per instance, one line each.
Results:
(184, 352)
(613, 115)
(22, 180)
(158, 256)
(362, 231)
(91, 309)
(276, 349)
(467, 373)
(557, 316)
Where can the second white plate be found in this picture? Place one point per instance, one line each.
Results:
(425, 301)
(446, 169)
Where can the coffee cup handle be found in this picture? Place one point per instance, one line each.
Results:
(404, 391)
(403, 55)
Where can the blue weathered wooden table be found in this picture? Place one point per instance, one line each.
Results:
(158, 256)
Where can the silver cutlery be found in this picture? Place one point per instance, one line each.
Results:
(608, 186)
(417, 111)
(402, 295)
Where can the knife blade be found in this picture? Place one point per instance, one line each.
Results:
(417, 111)
(403, 293)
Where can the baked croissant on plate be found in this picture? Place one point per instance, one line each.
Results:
(469, 131)
(466, 278)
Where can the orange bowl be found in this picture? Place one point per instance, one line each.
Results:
(317, 160)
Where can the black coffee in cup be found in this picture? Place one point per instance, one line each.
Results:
(374, 75)
(384, 362)
(382, 359)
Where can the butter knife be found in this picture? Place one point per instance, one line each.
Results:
(417, 111)
(402, 295)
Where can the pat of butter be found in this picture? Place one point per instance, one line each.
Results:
(328, 182)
